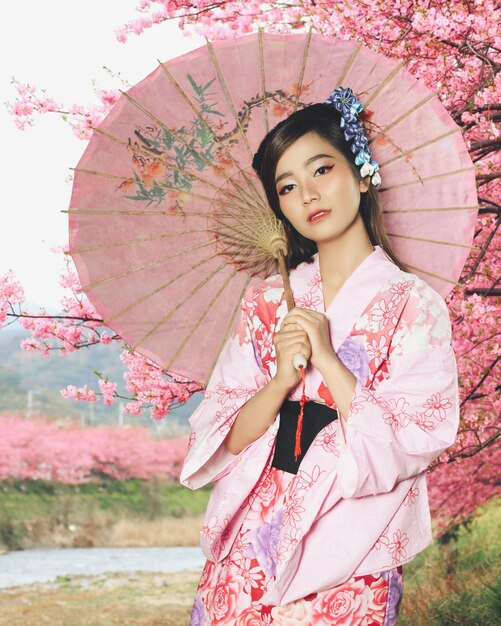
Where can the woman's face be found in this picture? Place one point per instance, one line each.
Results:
(317, 190)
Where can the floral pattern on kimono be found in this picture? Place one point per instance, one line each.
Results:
(366, 477)
(230, 591)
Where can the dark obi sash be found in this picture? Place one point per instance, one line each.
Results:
(316, 416)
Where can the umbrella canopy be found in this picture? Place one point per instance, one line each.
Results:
(169, 225)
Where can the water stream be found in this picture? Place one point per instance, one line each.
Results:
(29, 566)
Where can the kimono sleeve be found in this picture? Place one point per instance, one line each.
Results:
(235, 379)
(397, 430)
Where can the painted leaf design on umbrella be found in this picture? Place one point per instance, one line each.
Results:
(191, 146)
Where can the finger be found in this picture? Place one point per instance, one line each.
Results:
(292, 347)
(303, 312)
(287, 337)
(290, 332)
(288, 352)
(301, 322)
(290, 326)
(296, 315)
(289, 347)
(309, 322)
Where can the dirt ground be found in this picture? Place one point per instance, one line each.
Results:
(141, 599)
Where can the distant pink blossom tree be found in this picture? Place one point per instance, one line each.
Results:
(40, 449)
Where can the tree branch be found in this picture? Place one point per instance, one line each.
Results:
(483, 291)
(55, 317)
(482, 252)
(479, 384)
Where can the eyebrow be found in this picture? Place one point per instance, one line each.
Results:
(306, 163)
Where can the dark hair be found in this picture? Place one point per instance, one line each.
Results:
(324, 120)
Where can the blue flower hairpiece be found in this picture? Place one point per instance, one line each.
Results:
(349, 106)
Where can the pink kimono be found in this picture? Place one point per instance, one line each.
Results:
(358, 504)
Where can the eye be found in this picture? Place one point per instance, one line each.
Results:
(286, 189)
(323, 169)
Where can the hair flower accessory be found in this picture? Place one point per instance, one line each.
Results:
(349, 106)
(345, 101)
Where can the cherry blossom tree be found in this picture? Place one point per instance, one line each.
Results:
(454, 47)
(40, 449)
(80, 326)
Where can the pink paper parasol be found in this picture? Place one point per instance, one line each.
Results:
(168, 224)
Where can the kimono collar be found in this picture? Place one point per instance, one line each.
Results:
(353, 296)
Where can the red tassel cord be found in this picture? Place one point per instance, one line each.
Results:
(297, 449)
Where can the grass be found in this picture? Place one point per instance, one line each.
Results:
(36, 513)
(29, 498)
(104, 600)
(459, 583)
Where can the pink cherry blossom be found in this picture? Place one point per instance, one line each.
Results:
(11, 294)
(108, 391)
(79, 393)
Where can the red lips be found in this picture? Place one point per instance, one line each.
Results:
(316, 216)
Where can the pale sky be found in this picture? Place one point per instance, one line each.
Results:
(60, 46)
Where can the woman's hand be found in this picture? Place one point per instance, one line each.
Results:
(290, 340)
(316, 327)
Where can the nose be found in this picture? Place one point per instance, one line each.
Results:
(310, 193)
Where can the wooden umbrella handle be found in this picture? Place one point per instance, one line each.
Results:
(299, 361)
(289, 298)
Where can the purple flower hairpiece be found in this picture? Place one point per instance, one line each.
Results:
(349, 106)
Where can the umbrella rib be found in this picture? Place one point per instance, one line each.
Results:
(442, 243)
(241, 236)
(446, 280)
(183, 214)
(349, 63)
(241, 204)
(263, 80)
(236, 237)
(159, 262)
(177, 214)
(449, 208)
(229, 328)
(80, 170)
(149, 265)
(423, 145)
(415, 181)
(126, 179)
(198, 322)
(227, 95)
(402, 117)
(180, 304)
(253, 196)
(128, 242)
(306, 52)
(388, 78)
(148, 295)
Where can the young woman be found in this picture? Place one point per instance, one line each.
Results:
(311, 524)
